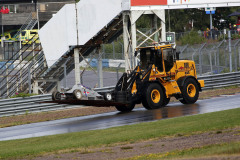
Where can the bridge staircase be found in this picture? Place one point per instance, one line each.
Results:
(29, 24)
(22, 68)
(111, 31)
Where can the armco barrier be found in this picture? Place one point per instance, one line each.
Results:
(16, 106)
(221, 80)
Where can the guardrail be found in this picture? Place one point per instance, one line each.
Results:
(221, 80)
(16, 106)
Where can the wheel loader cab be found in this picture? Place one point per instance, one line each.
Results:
(149, 56)
(163, 58)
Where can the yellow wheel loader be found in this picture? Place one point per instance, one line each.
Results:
(159, 76)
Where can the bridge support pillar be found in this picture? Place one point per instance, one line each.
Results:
(35, 87)
(77, 66)
(100, 69)
(126, 38)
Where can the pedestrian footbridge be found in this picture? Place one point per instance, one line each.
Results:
(90, 23)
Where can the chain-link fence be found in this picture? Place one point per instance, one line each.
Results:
(210, 34)
(213, 58)
(210, 58)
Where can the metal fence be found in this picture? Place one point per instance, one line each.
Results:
(214, 34)
(213, 58)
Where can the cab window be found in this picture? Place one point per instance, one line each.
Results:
(150, 56)
(146, 58)
(158, 60)
(23, 33)
(33, 32)
(13, 33)
(168, 57)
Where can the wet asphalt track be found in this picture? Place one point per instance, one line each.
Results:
(113, 119)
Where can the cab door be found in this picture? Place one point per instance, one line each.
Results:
(168, 59)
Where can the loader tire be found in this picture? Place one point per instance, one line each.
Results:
(56, 96)
(166, 101)
(190, 92)
(153, 97)
(125, 108)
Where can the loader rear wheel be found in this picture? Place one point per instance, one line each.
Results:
(56, 96)
(77, 94)
(125, 108)
(153, 97)
(190, 92)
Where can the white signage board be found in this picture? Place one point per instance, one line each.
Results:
(180, 4)
(196, 2)
(60, 31)
(93, 15)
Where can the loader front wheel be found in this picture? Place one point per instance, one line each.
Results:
(190, 92)
(153, 97)
(125, 108)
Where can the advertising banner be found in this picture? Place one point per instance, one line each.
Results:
(194, 2)
(178, 2)
(148, 2)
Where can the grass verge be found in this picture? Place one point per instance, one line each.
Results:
(216, 150)
(125, 134)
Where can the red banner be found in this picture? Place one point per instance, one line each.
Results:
(148, 2)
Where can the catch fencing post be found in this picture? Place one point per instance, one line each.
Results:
(113, 47)
(118, 70)
(235, 55)
(239, 56)
(230, 51)
(218, 54)
(29, 79)
(200, 58)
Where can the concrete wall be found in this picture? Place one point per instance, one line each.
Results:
(14, 18)
(46, 10)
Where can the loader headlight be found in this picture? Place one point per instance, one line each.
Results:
(108, 96)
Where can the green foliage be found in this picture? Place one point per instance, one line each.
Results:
(108, 50)
(227, 70)
(235, 36)
(192, 38)
(181, 19)
(144, 21)
(143, 131)
(221, 38)
(22, 95)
